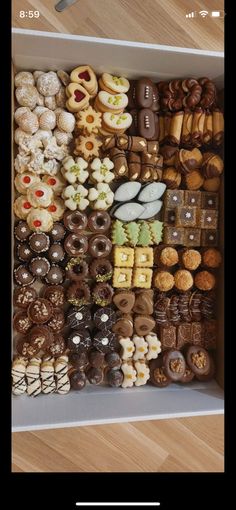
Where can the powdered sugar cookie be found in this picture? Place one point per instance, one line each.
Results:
(50, 167)
(21, 163)
(28, 122)
(56, 182)
(43, 135)
(116, 123)
(87, 77)
(101, 197)
(50, 102)
(47, 120)
(56, 209)
(24, 181)
(40, 109)
(62, 137)
(40, 100)
(36, 74)
(24, 78)
(48, 84)
(113, 84)
(61, 97)
(36, 162)
(87, 146)
(89, 120)
(66, 122)
(22, 207)
(78, 97)
(27, 95)
(39, 220)
(40, 195)
(28, 145)
(106, 102)
(75, 170)
(20, 135)
(52, 150)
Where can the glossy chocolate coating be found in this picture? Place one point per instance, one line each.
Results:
(76, 244)
(39, 242)
(79, 340)
(105, 341)
(75, 221)
(144, 93)
(157, 375)
(123, 325)
(22, 231)
(113, 360)
(79, 359)
(78, 294)
(58, 232)
(39, 267)
(146, 124)
(210, 375)
(24, 348)
(101, 269)
(114, 378)
(21, 322)
(94, 375)
(57, 321)
(102, 294)
(99, 246)
(188, 376)
(40, 336)
(55, 294)
(143, 324)
(56, 253)
(23, 276)
(99, 222)
(174, 364)
(104, 318)
(57, 347)
(24, 253)
(198, 359)
(76, 269)
(77, 379)
(124, 300)
(79, 317)
(23, 296)
(55, 275)
(96, 358)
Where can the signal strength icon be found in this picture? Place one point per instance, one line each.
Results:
(191, 14)
(203, 13)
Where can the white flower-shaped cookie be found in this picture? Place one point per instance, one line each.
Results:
(74, 170)
(102, 170)
(154, 346)
(75, 197)
(130, 375)
(101, 196)
(143, 373)
(127, 348)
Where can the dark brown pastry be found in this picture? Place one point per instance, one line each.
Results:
(168, 152)
(197, 333)
(55, 275)
(157, 375)
(79, 317)
(123, 325)
(187, 161)
(208, 96)
(114, 377)
(195, 305)
(161, 308)
(210, 375)
(75, 221)
(78, 294)
(167, 336)
(24, 253)
(113, 360)
(193, 90)
(40, 337)
(99, 246)
(210, 330)
(146, 120)
(102, 294)
(174, 364)
(193, 198)
(40, 311)
(183, 334)
(134, 164)
(56, 253)
(144, 93)
(188, 376)
(124, 300)
(99, 222)
(79, 340)
(96, 358)
(57, 347)
(104, 318)
(212, 165)
(55, 294)
(101, 270)
(79, 359)
(24, 348)
(209, 237)
(22, 231)
(39, 267)
(208, 305)
(105, 341)
(22, 322)
(76, 244)
(184, 306)
(39, 242)
(57, 321)
(77, 379)
(198, 360)
(173, 309)
(204, 280)
(23, 296)
(147, 167)
(143, 324)
(58, 232)
(23, 276)
(118, 157)
(77, 269)
(132, 94)
(211, 258)
(94, 375)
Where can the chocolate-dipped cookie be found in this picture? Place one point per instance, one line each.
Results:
(22, 322)
(56, 253)
(188, 376)
(101, 270)
(77, 379)
(40, 311)
(57, 347)
(157, 375)
(79, 359)
(76, 244)
(94, 375)
(102, 294)
(25, 349)
(96, 358)
(39, 242)
(78, 294)
(78, 317)
(57, 321)
(104, 318)
(105, 341)
(99, 246)
(198, 360)
(124, 300)
(76, 269)
(22, 231)
(143, 324)
(113, 360)
(123, 325)
(174, 364)
(143, 302)
(24, 253)
(99, 222)
(23, 296)
(114, 377)
(75, 221)
(79, 340)
(23, 276)
(55, 294)
(39, 267)
(40, 336)
(58, 232)
(55, 275)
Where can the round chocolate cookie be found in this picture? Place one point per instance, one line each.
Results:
(39, 266)
(79, 359)
(23, 276)
(76, 244)
(158, 377)
(55, 294)
(114, 377)
(105, 341)
(78, 294)
(79, 340)
(99, 222)
(56, 253)
(40, 337)
(79, 317)
(22, 231)
(101, 269)
(113, 360)
(39, 242)
(99, 246)
(55, 275)
(57, 347)
(23, 296)
(96, 358)
(24, 253)
(188, 375)
(76, 269)
(104, 318)
(77, 379)
(21, 322)
(40, 311)
(94, 375)
(25, 349)
(174, 364)
(58, 232)
(123, 325)
(198, 359)
(75, 221)
(57, 321)
(102, 294)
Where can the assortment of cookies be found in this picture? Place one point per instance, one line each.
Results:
(116, 234)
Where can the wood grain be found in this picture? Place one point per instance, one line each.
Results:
(151, 21)
(183, 445)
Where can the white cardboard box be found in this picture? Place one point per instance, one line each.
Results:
(52, 51)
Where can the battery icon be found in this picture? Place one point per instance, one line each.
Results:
(217, 14)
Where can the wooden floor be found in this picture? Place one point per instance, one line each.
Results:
(152, 21)
(188, 444)
(183, 445)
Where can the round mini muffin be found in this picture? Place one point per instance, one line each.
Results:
(40, 311)
(164, 281)
(183, 280)
(211, 258)
(168, 256)
(23, 296)
(191, 259)
(58, 232)
(39, 242)
(21, 322)
(22, 231)
(204, 280)
(39, 266)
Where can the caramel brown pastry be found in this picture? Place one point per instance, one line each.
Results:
(157, 376)
(166, 257)
(218, 127)
(198, 127)
(147, 167)
(39, 266)
(143, 302)
(186, 216)
(191, 259)
(208, 129)
(198, 360)
(21, 322)
(174, 198)
(212, 258)
(134, 165)
(23, 296)
(194, 180)
(193, 90)
(123, 325)
(212, 184)
(143, 324)
(24, 254)
(55, 294)
(208, 92)
(124, 300)
(187, 128)
(58, 232)
(174, 364)
(167, 121)
(78, 294)
(163, 280)
(118, 157)
(193, 198)
(208, 219)
(212, 165)
(39, 242)
(186, 161)
(171, 177)
(175, 128)
(183, 334)
(174, 235)
(161, 128)
(131, 143)
(172, 95)
(204, 280)
(168, 152)
(152, 147)
(192, 237)
(183, 280)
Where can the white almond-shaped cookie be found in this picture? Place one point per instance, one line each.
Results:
(127, 191)
(40, 195)
(117, 121)
(118, 84)
(152, 192)
(150, 209)
(129, 212)
(113, 102)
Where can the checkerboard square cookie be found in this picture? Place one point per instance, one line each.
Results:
(142, 277)
(123, 256)
(122, 277)
(143, 257)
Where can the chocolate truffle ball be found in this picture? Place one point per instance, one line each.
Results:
(55, 275)
(79, 316)
(79, 359)
(57, 347)
(22, 231)
(104, 317)
(77, 379)
(58, 232)
(21, 322)
(96, 358)
(55, 294)
(113, 360)
(114, 378)
(79, 340)
(94, 375)
(24, 253)
(39, 266)
(56, 253)
(23, 276)
(39, 242)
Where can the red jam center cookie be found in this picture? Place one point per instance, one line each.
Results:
(39, 193)
(78, 96)
(26, 205)
(84, 76)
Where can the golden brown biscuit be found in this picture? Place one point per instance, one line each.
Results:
(123, 256)
(142, 277)
(122, 277)
(204, 280)
(183, 280)
(164, 281)
(212, 258)
(143, 257)
(191, 259)
(194, 180)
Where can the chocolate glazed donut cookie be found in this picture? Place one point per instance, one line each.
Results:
(99, 222)
(77, 269)
(76, 244)
(101, 270)
(99, 246)
(75, 221)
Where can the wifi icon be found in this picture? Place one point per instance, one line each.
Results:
(203, 13)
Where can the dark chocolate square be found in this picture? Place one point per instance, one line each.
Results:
(183, 334)
(210, 200)
(192, 198)
(192, 237)
(169, 216)
(186, 216)
(196, 333)
(173, 235)
(167, 337)
(210, 334)
(209, 218)
(209, 237)
(174, 198)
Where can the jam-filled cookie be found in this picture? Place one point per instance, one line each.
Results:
(87, 77)
(89, 121)
(113, 84)
(25, 180)
(78, 98)
(39, 220)
(40, 195)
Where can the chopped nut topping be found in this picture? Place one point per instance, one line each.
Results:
(199, 359)
(176, 365)
(159, 375)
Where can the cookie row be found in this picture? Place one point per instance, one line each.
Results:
(187, 307)
(37, 375)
